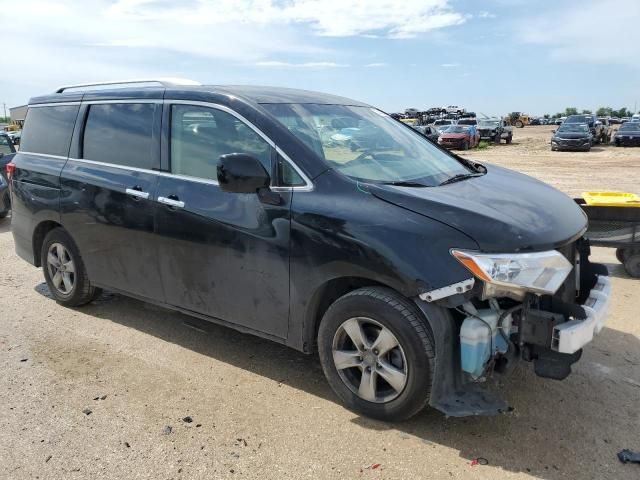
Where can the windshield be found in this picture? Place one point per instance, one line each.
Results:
(573, 128)
(366, 144)
(442, 122)
(630, 126)
(456, 129)
(489, 123)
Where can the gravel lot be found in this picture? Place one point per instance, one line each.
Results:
(260, 410)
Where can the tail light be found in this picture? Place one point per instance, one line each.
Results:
(11, 168)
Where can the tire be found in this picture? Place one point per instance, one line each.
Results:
(617, 143)
(65, 272)
(466, 145)
(4, 214)
(509, 138)
(369, 312)
(632, 265)
(519, 124)
(621, 254)
(497, 138)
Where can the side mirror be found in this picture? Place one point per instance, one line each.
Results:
(241, 173)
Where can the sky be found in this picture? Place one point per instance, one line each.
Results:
(490, 56)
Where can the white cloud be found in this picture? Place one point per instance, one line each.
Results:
(334, 18)
(277, 64)
(569, 32)
(486, 14)
(450, 65)
(376, 65)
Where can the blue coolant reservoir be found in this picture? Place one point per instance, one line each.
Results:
(479, 335)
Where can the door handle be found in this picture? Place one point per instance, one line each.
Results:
(172, 202)
(137, 192)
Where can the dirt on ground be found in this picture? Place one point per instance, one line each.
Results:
(122, 389)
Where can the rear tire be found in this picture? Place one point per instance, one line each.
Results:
(621, 254)
(357, 364)
(64, 270)
(632, 265)
(509, 138)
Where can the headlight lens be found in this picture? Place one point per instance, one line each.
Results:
(539, 272)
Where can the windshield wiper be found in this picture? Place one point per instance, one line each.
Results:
(405, 184)
(459, 177)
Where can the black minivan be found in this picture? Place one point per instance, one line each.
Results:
(315, 221)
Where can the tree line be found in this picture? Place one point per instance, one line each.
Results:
(600, 112)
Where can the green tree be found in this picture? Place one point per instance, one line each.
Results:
(604, 112)
(586, 112)
(570, 111)
(546, 115)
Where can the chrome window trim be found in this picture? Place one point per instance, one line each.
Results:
(308, 187)
(145, 170)
(125, 101)
(58, 157)
(54, 104)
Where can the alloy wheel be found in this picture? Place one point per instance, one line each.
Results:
(370, 360)
(61, 268)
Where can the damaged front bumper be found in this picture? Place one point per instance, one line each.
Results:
(571, 336)
(547, 330)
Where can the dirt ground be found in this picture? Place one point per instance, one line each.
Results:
(260, 410)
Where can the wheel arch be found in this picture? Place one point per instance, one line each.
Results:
(39, 233)
(324, 296)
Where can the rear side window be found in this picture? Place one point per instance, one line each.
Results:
(121, 134)
(48, 130)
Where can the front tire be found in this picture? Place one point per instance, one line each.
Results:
(377, 353)
(64, 270)
(632, 264)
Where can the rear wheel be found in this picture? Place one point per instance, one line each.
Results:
(620, 254)
(377, 353)
(497, 138)
(509, 138)
(519, 124)
(632, 265)
(64, 270)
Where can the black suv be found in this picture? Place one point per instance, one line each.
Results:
(315, 221)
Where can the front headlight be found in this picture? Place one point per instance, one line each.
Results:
(539, 272)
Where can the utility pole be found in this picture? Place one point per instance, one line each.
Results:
(4, 106)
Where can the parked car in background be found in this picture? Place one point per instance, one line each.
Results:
(442, 122)
(495, 130)
(5, 201)
(461, 137)
(572, 136)
(615, 120)
(315, 221)
(625, 119)
(428, 131)
(435, 111)
(455, 109)
(15, 136)
(6, 145)
(535, 122)
(598, 132)
(628, 135)
(467, 121)
(635, 118)
(559, 120)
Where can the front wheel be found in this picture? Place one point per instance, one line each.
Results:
(509, 138)
(377, 353)
(64, 270)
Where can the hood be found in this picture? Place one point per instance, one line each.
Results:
(571, 135)
(503, 211)
(454, 135)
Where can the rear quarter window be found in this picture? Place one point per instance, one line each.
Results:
(121, 134)
(48, 130)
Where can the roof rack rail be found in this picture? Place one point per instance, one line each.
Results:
(164, 82)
